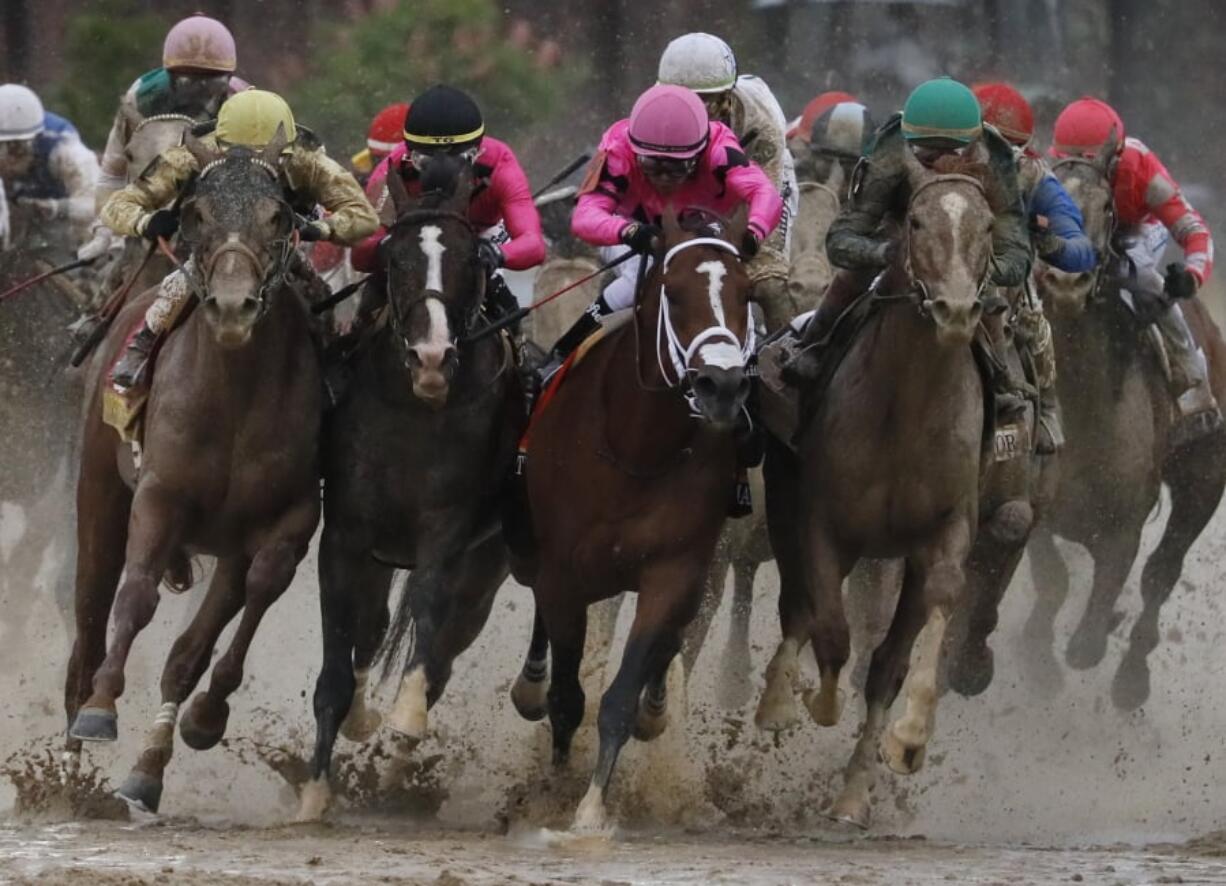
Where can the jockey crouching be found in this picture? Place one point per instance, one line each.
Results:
(197, 74)
(251, 119)
(745, 104)
(1150, 210)
(940, 119)
(840, 136)
(444, 120)
(44, 166)
(1058, 236)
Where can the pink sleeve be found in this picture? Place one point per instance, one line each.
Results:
(765, 205)
(526, 248)
(596, 221)
(364, 256)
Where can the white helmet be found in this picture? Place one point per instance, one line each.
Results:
(21, 113)
(698, 61)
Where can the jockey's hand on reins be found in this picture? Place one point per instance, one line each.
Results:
(749, 244)
(310, 229)
(641, 237)
(1180, 282)
(163, 223)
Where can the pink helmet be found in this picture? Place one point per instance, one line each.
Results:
(200, 42)
(669, 121)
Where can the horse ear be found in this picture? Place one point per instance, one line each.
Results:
(672, 227)
(272, 150)
(399, 194)
(737, 224)
(203, 154)
(1106, 154)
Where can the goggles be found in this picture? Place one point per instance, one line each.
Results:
(928, 154)
(420, 157)
(672, 168)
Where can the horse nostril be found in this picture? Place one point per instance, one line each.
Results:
(250, 307)
(705, 387)
(414, 358)
(941, 311)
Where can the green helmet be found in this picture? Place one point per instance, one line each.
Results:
(944, 109)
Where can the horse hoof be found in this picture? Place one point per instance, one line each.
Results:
(1084, 653)
(529, 698)
(823, 712)
(142, 790)
(649, 724)
(591, 816)
(1011, 523)
(204, 724)
(314, 800)
(972, 673)
(408, 716)
(901, 758)
(1130, 688)
(95, 724)
(852, 810)
(776, 711)
(359, 727)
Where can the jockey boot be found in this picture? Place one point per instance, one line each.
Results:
(589, 321)
(804, 365)
(1050, 426)
(1199, 414)
(130, 370)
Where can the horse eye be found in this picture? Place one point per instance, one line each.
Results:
(915, 223)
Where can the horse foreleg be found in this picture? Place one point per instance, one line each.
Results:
(713, 592)
(944, 582)
(827, 566)
(1050, 576)
(669, 595)
(1113, 558)
(601, 624)
(154, 535)
(1195, 494)
(989, 572)
(528, 692)
(186, 664)
(353, 591)
(271, 571)
(886, 672)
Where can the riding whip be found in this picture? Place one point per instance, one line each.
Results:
(70, 266)
(561, 176)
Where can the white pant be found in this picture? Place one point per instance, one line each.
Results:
(1148, 246)
(619, 294)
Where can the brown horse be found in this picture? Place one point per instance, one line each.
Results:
(629, 479)
(888, 465)
(229, 468)
(414, 462)
(1119, 419)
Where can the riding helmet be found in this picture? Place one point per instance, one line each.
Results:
(942, 109)
(443, 117)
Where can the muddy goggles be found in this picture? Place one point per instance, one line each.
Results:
(673, 168)
(929, 153)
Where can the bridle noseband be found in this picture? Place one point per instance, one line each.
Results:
(917, 290)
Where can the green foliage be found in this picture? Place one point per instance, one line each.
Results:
(394, 54)
(105, 49)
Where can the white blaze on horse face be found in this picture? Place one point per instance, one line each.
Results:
(434, 249)
(955, 206)
(715, 272)
(439, 335)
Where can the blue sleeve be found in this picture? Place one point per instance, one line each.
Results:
(1076, 252)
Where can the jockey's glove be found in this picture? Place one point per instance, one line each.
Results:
(163, 223)
(749, 244)
(97, 245)
(886, 253)
(310, 229)
(490, 256)
(641, 237)
(1180, 282)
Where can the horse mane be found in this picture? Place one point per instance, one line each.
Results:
(952, 164)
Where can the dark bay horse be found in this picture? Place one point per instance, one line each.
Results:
(1119, 415)
(414, 461)
(888, 465)
(229, 468)
(629, 478)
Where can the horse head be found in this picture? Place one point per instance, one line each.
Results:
(947, 250)
(1088, 182)
(705, 327)
(151, 137)
(240, 228)
(435, 283)
(810, 273)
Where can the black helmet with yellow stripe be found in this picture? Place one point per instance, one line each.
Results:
(443, 118)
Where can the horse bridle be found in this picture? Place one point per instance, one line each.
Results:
(917, 291)
(273, 273)
(667, 340)
(395, 314)
(1109, 250)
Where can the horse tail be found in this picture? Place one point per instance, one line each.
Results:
(400, 640)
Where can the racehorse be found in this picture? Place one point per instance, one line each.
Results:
(888, 465)
(629, 476)
(229, 467)
(1119, 453)
(414, 460)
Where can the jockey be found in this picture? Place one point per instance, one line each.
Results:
(445, 120)
(1150, 209)
(802, 126)
(667, 153)
(706, 65)
(385, 134)
(43, 163)
(1057, 233)
(941, 118)
(250, 119)
(197, 75)
(840, 135)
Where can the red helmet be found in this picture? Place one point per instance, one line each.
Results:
(1006, 109)
(1084, 127)
(819, 106)
(387, 129)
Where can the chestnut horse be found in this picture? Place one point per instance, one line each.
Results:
(888, 465)
(629, 478)
(229, 468)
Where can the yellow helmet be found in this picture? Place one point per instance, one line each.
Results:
(250, 118)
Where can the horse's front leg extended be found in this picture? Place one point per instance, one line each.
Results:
(154, 532)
